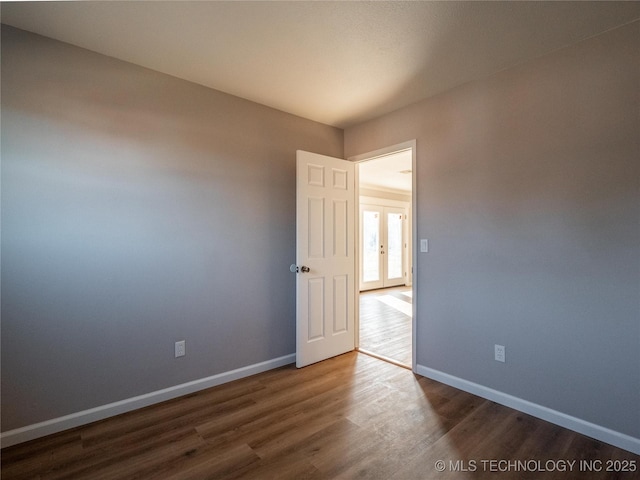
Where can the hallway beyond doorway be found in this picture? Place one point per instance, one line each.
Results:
(385, 324)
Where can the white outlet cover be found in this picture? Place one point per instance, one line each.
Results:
(424, 245)
(500, 353)
(180, 349)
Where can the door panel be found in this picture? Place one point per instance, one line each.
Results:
(340, 229)
(316, 309)
(316, 227)
(341, 304)
(325, 246)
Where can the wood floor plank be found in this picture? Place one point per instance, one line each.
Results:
(171, 419)
(385, 330)
(352, 416)
(111, 462)
(309, 422)
(294, 466)
(29, 459)
(212, 462)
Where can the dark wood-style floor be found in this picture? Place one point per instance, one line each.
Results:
(384, 329)
(349, 417)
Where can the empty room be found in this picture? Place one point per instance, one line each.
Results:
(184, 188)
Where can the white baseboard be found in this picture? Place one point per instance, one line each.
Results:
(37, 430)
(592, 430)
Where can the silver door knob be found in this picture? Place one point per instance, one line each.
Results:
(294, 269)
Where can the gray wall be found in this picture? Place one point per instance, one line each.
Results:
(529, 193)
(137, 210)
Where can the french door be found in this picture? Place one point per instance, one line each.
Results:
(382, 246)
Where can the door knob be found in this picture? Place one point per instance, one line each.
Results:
(294, 269)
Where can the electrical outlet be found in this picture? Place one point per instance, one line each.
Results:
(500, 353)
(180, 349)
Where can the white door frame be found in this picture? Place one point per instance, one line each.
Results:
(411, 144)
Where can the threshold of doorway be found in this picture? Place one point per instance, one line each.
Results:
(383, 358)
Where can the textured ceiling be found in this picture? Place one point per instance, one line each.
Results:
(389, 172)
(339, 63)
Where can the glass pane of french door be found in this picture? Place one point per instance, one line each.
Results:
(370, 247)
(394, 245)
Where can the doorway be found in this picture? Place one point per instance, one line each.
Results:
(385, 323)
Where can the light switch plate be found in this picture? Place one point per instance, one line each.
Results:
(424, 245)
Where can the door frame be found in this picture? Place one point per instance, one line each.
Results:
(357, 159)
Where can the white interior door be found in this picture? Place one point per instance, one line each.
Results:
(325, 256)
(382, 246)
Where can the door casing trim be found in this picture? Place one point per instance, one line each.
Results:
(409, 144)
